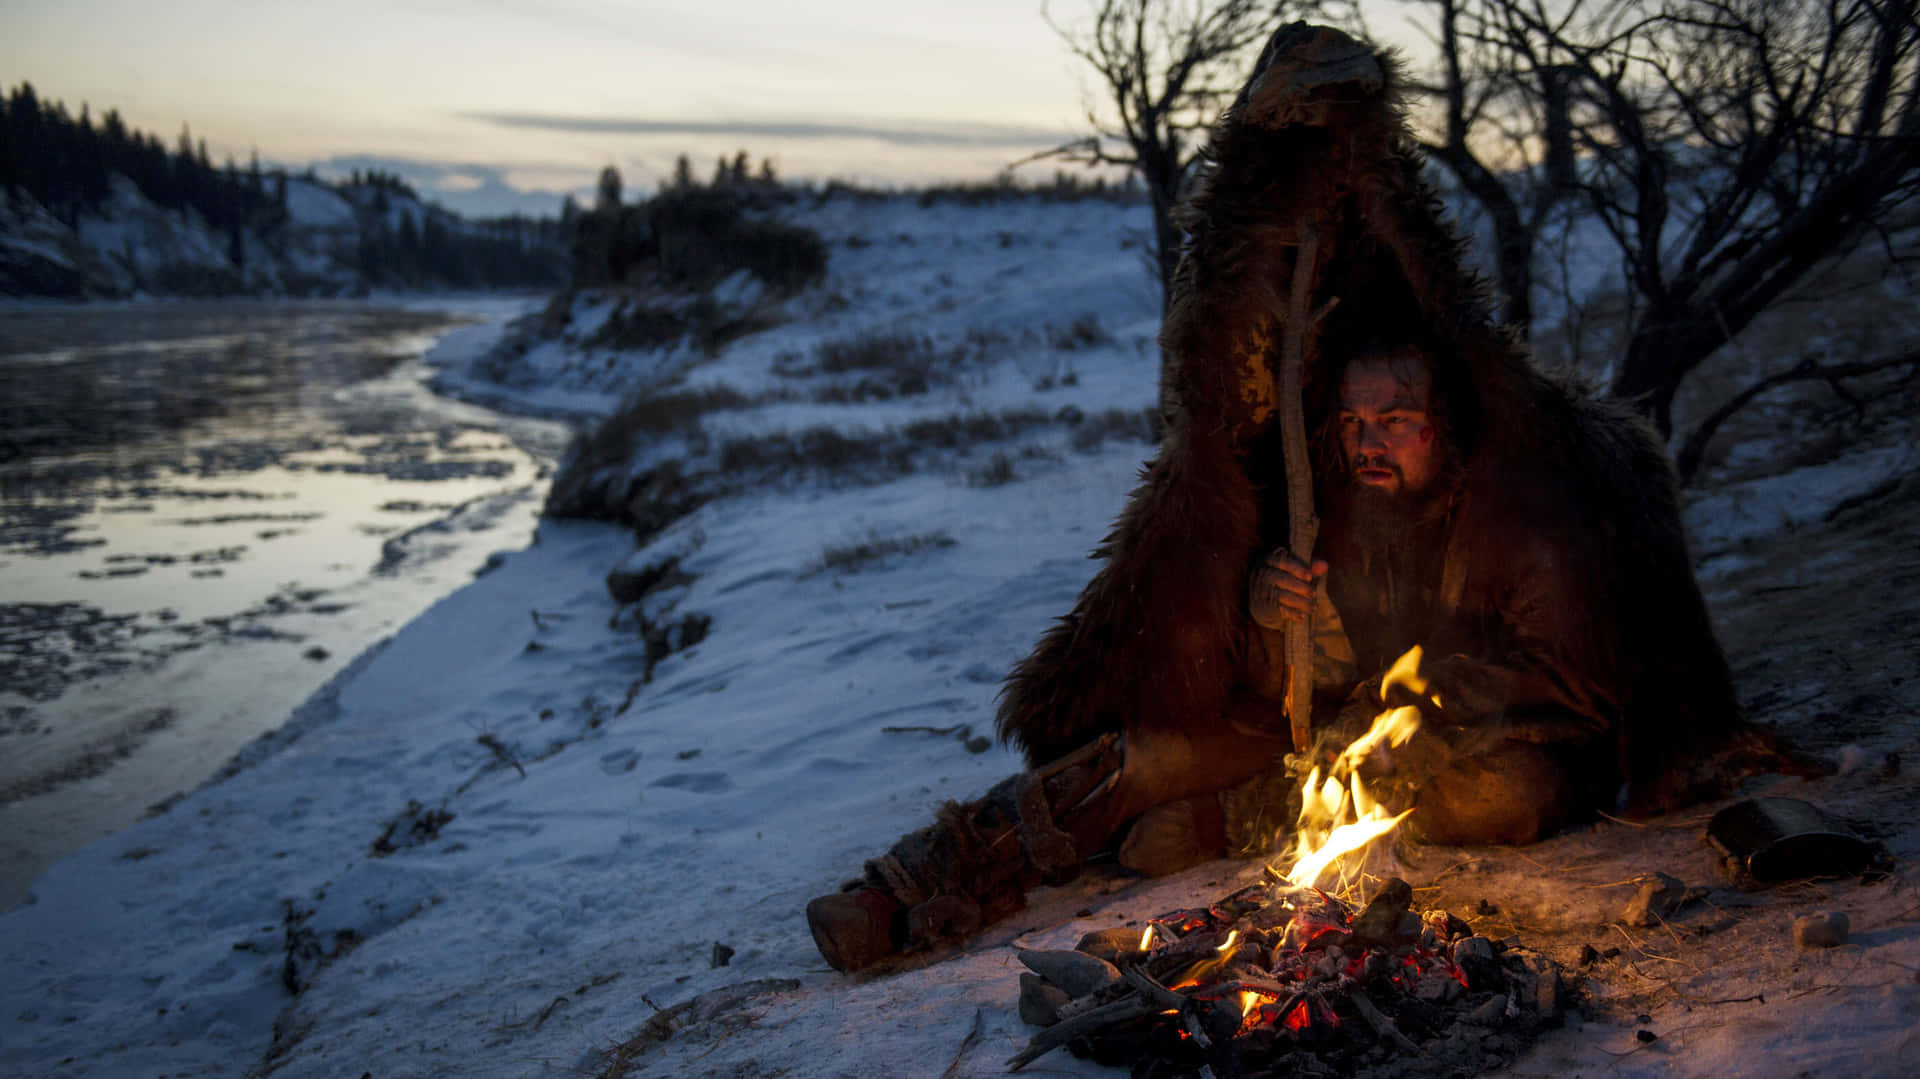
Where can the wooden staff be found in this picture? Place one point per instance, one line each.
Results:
(1303, 523)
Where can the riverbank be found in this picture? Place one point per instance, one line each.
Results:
(179, 579)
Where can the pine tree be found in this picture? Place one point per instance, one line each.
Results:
(607, 200)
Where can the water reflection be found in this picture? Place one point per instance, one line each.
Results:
(207, 508)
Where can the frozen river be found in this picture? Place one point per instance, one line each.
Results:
(206, 511)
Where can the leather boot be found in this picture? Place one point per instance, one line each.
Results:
(974, 865)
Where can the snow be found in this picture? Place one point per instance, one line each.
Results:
(607, 829)
(316, 206)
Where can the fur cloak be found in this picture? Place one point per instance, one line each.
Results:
(1158, 638)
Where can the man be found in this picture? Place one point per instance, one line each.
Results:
(1394, 478)
(1525, 534)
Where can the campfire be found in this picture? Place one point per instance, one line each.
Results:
(1295, 975)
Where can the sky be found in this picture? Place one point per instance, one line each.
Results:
(508, 104)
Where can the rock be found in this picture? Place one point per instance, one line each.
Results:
(1075, 972)
(1827, 929)
(1112, 945)
(1386, 916)
(1040, 1001)
(1659, 898)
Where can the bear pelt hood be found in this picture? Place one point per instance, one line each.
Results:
(1317, 140)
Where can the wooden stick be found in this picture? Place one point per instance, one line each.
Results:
(1303, 524)
(1061, 1033)
(1381, 1025)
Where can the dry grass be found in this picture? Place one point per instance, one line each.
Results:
(861, 554)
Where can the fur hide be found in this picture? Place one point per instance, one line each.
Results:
(1156, 641)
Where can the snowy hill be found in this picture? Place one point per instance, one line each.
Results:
(509, 841)
(328, 242)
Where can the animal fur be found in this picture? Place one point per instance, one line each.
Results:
(1156, 640)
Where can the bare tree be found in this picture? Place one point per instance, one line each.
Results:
(1166, 68)
(1727, 147)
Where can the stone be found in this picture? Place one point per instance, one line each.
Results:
(1113, 945)
(1076, 972)
(1827, 929)
(1659, 898)
(1386, 921)
(1040, 1001)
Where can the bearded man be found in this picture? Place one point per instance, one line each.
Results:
(1164, 800)
(1524, 533)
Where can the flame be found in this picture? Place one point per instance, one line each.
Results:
(1146, 938)
(1227, 945)
(1338, 815)
(1405, 673)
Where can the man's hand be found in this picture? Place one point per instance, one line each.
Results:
(1281, 590)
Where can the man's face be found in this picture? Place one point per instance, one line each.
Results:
(1390, 443)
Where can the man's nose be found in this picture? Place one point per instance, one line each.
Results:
(1373, 437)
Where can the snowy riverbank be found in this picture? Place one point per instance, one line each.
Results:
(494, 847)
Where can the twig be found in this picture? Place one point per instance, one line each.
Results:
(633, 690)
(500, 751)
(1381, 1025)
(1158, 995)
(1066, 1030)
(967, 1043)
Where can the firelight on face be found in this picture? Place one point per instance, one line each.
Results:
(1386, 434)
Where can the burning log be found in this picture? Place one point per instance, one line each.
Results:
(1275, 979)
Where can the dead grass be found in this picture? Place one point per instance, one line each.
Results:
(861, 554)
(1126, 424)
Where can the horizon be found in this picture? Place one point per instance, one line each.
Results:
(506, 107)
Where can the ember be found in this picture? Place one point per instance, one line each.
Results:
(1278, 979)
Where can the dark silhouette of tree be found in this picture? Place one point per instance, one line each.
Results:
(1729, 148)
(607, 196)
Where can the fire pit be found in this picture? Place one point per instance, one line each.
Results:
(1289, 977)
(1276, 979)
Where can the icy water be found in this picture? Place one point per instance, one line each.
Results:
(206, 511)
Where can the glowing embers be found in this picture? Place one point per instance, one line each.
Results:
(1272, 971)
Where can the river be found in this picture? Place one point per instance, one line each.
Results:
(207, 510)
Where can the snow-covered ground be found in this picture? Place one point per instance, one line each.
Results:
(495, 846)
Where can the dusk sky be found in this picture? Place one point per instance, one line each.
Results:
(482, 101)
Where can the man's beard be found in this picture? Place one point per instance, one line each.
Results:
(1381, 521)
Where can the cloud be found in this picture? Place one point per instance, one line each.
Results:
(900, 132)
